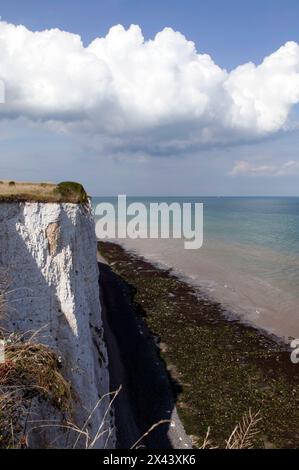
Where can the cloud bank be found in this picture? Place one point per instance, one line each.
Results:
(152, 97)
(245, 168)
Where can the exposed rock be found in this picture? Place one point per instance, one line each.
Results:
(49, 253)
(52, 234)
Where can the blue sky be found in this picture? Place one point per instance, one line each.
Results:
(233, 33)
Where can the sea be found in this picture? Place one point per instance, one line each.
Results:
(249, 261)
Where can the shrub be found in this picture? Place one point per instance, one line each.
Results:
(73, 191)
(11, 183)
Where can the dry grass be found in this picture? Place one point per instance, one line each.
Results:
(11, 191)
(104, 429)
(245, 432)
(137, 444)
(29, 371)
(82, 434)
(243, 435)
(36, 368)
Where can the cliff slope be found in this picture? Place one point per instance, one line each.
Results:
(48, 252)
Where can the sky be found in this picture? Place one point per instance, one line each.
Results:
(196, 98)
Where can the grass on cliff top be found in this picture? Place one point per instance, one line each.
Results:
(11, 191)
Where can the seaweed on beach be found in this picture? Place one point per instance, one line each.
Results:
(224, 367)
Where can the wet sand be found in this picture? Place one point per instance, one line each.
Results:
(222, 273)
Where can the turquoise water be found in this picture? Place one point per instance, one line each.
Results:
(266, 228)
(269, 222)
(249, 259)
(265, 222)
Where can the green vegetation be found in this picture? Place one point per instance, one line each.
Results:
(69, 189)
(43, 192)
(223, 367)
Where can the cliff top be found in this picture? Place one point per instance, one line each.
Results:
(11, 191)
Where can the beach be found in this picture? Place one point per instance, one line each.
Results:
(249, 261)
(218, 367)
(145, 399)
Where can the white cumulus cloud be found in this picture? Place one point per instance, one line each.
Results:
(155, 96)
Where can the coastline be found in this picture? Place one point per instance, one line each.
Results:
(244, 296)
(146, 396)
(223, 367)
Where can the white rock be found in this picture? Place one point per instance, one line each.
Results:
(49, 252)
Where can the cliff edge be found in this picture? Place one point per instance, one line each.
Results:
(48, 253)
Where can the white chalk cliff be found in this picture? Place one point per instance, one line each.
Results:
(49, 253)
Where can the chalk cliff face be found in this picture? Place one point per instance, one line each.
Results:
(49, 253)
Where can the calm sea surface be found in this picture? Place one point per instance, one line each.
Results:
(249, 260)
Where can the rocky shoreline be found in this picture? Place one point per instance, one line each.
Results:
(145, 401)
(218, 368)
